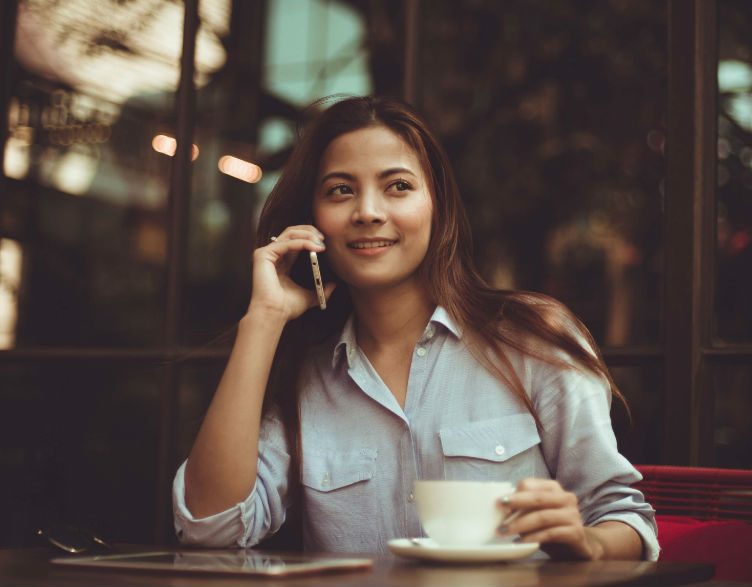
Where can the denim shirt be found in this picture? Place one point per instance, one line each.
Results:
(362, 451)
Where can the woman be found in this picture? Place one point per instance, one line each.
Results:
(416, 370)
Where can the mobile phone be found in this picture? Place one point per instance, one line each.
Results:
(317, 280)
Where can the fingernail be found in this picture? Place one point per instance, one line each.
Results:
(503, 529)
(320, 243)
(504, 500)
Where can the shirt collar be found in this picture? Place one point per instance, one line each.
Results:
(347, 344)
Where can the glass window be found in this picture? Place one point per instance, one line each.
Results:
(639, 437)
(553, 114)
(732, 393)
(78, 445)
(88, 162)
(734, 248)
(315, 48)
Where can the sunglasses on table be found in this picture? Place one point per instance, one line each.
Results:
(73, 539)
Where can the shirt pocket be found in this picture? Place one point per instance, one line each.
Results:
(334, 470)
(501, 449)
(341, 500)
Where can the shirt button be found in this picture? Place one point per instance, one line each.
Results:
(429, 332)
(411, 497)
(421, 352)
(325, 480)
(499, 450)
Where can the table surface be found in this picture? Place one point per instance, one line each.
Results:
(30, 566)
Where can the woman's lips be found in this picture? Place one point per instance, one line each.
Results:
(371, 247)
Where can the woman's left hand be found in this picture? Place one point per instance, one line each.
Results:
(549, 515)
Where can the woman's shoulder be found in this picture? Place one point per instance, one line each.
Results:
(543, 340)
(548, 349)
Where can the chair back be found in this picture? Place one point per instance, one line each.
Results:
(700, 493)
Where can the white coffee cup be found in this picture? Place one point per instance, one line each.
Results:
(460, 513)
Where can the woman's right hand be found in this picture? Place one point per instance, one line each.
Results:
(273, 289)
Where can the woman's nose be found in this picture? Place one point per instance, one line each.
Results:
(368, 211)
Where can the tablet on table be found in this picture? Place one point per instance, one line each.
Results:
(235, 562)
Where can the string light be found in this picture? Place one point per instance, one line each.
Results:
(239, 168)
(167, 145)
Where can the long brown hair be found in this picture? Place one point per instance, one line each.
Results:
(490, 319)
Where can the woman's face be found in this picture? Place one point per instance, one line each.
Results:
(373, 205)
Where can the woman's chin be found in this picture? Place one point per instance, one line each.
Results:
(368, 284)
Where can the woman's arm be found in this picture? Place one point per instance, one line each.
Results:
(551, 516)
(221, 468)
(588, 509)
(222, 464)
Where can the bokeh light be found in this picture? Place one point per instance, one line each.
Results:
(239, 168)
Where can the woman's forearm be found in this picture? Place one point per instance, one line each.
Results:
(615, 540)
(221, 468)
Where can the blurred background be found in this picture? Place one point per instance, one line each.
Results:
(603, 148)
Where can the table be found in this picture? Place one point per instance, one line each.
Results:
(30, 566)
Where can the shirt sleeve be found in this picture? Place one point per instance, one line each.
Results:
(245, 524)
(580, 449)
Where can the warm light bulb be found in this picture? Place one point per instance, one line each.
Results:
(168, 145)
(239, 169)
(164, 144)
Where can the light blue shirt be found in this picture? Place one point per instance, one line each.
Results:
(362, 451)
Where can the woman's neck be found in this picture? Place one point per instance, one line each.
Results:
(397, 316)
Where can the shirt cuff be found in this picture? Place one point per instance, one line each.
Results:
(224, 529)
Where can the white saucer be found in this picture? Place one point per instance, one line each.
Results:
(427, 549)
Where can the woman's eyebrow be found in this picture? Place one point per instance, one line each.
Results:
(337, 175)
(350, 177)
(395, 171)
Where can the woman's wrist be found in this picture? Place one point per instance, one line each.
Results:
(614, 540)
(264, 313)
(596, 547)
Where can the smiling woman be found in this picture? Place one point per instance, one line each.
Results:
(374, 206)
(446, 377)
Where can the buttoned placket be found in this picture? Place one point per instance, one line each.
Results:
(417, 377)
(415, 384)
(410, 521)
(363, 375)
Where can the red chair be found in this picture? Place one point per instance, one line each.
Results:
(703, 515)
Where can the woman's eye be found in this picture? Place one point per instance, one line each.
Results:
(401, 186)
(338, 190)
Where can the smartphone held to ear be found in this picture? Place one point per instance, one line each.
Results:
(317, 280)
